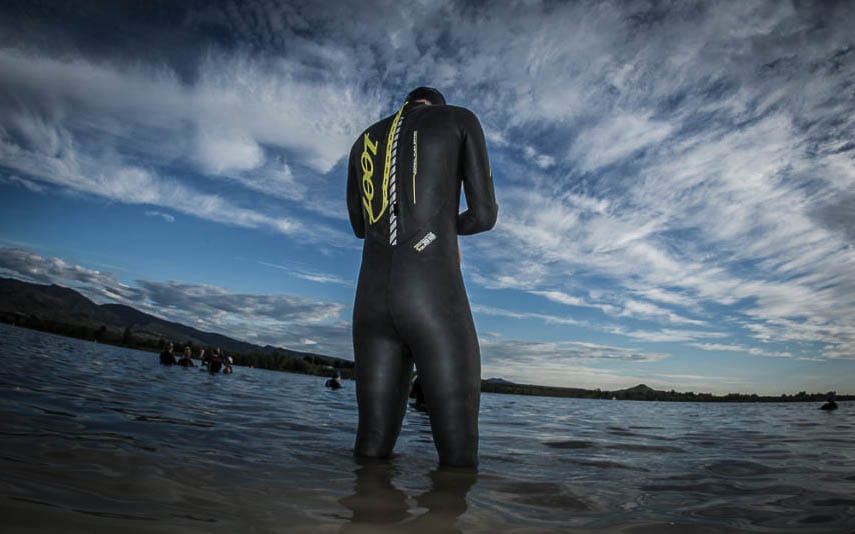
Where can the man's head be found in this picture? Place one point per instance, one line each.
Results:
(427, 94)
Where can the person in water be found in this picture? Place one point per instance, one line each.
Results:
(167, 357)
(216, 360)
(186, 359)
(829, 402)
(335, 381)
(403, 194)
(418, 395)
(227, 370)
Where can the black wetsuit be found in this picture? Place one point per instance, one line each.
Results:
(829, 406)
(215, 363)
(403, 196)
(167, 358)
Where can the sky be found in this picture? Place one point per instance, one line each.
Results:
(675, 180)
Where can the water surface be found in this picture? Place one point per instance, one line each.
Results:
(100, 438)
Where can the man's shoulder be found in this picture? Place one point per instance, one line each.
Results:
(378, 127)
(454, 110)
(457, 115)
(375, 131)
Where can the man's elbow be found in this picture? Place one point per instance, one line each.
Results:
(476, 221)
(486, 218)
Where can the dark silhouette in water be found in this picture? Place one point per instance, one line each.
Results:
(186, 360)
(167, 357)
(335, 381)
(378, 506)
(829, 402)
(418, 394)
(216, 360)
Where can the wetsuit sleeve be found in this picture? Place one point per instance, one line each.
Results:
(477, 180)
(354, 201)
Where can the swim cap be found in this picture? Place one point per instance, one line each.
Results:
(427, 93)
(336, 373)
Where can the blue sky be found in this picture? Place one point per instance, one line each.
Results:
(675, 180)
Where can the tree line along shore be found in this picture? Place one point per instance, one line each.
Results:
(148, 342)
(323, 366)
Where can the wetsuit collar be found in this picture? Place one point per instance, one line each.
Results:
(413, 105)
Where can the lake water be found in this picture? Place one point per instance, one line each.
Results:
(95, 438)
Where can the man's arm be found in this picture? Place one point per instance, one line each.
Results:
(354, 200)
(477, 180)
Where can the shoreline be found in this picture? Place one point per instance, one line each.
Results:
(310, 365)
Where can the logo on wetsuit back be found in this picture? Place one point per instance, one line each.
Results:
(366, 161)
(424, 242)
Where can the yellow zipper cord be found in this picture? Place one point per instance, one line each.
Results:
(388, 166)
(415, 161)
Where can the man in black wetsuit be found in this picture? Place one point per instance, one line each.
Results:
(403, 196)
(167, 357)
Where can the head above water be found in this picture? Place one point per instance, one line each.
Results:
(428, 94)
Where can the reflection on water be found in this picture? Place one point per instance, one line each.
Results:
(99, 438)
(378, 506)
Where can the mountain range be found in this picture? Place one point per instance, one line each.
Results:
(20, 300)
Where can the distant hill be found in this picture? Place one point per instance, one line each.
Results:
(21, 300)
(61, 310)
(143, 322)
(49, 302)
(499, 381)
(639, 389)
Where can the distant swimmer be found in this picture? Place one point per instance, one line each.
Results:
(167, 357)
(829, 402)
(216, 360)
(404, 179)
(186, 360)
(335, 381)
(418, 394)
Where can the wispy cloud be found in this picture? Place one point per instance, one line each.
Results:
(677, 169)
(742, 349)
(281, 320)
(165, 216)
(312, 276)
(501, 312)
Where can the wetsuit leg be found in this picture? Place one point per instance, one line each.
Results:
(445, 349)
(383, 369)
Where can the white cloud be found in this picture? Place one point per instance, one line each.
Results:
(570, 300)
(282, 320)
(113, 179)
(546, 318)
(754, 351)
(692, 164)
(225, 154)
(165, 216)
(616, 139)
(312, 276)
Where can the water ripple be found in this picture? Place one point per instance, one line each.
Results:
(104, 438)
